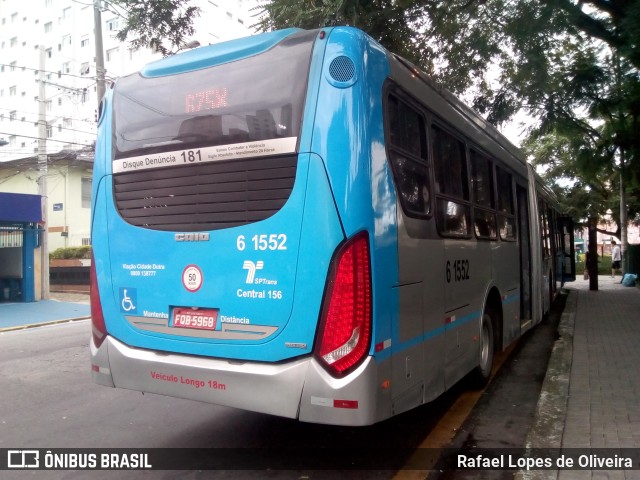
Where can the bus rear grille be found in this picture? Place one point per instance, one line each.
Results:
(208, 196)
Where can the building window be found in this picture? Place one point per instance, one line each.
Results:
(66, 67)
(84, 41)
(67, 122)
(66, 40)
(13, 42)
(49, 130)
(12, 140)
(111, 54)
(12, 66)
(12, 115)
(66, 13)
(48, 104)
(112, 25)
(86, 192)
(48, 27)
(84, 68)
(12, 91)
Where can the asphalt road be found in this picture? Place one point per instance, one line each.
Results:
(49, 401)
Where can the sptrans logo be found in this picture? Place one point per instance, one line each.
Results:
(252, 268)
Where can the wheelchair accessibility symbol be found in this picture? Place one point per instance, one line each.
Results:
(128, 300)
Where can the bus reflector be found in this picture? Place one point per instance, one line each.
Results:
(345, 404)
(345, 324)
(98, 328)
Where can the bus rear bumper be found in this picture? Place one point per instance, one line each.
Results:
(272, 389)
(296, 389)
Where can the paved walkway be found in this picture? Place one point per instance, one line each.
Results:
(591, 395)
(61, 308)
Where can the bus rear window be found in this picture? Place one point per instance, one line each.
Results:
(255, 98)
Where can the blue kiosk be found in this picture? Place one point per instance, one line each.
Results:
(20, 215)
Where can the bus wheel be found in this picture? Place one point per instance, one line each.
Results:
(482, 372)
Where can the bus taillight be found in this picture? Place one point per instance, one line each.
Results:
(345, 324)
(98, 327)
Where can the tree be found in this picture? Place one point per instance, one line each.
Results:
(162, 25)
(572, 65)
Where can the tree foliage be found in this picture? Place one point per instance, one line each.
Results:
(162, 25)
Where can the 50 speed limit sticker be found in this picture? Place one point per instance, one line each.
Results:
(192, 278)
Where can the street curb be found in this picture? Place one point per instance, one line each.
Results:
(42, 324)
(549, 421)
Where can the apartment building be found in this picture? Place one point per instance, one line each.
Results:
(62, 31)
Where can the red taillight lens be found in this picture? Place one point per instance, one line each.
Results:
(345, 324)
(97, 318)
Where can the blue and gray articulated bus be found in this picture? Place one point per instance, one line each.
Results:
(301, 223)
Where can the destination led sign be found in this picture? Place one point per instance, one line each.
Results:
(210, 99)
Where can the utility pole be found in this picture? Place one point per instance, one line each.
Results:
(100, 70)
(42, 178)
(624, 217)
(592, 254)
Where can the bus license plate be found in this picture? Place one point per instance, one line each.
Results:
(199, 318)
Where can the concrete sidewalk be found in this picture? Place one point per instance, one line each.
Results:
(61, 308)
(591, 394)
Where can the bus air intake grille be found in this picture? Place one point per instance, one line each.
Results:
(209, 196)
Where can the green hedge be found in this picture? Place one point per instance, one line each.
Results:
(604, 265)
(71, 252)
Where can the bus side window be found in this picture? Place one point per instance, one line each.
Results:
(453, 210)
(407, 155)
(484, 217)
(544, 228)
(506, 216)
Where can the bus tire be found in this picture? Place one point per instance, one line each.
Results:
(482, 373)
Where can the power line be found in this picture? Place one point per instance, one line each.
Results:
(51, 124)
(22, 67)
(48, 139)
(91, 122)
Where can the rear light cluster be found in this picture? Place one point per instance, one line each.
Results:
(345, 323)
(98, 327)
